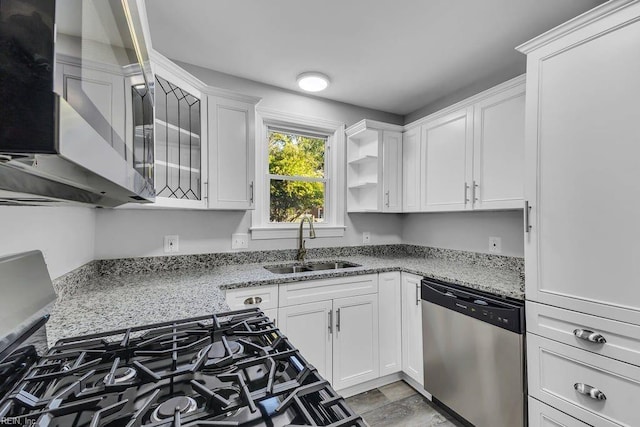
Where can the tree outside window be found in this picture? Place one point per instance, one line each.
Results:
(297, 176)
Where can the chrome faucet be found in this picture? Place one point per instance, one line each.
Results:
(302, 251)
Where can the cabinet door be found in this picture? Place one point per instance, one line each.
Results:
(392, 171)
(498, 151)
(355, 342)
(272, 314)
(582, 156)
(446, 157)
(231, 154)
(309, 328)
(412, 327)
(390, 322)
(411, 170)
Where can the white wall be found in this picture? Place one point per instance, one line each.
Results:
(134, 233)
(64, 234)
(467, 231)
(131, 233)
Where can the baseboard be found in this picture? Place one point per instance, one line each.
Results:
(416, 385)
(370, 385)
(382, 381)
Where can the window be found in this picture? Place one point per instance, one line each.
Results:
(299, 174)
(297, 179)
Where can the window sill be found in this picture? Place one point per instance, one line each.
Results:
(263, 233)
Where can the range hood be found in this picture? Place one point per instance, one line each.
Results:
(77, 118)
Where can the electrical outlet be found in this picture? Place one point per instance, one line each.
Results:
(366, 238)
(170, 244)
(239, 241)
(495, 245)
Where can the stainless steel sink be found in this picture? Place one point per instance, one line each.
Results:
(311, 266)
(333, 265)
(287, 269)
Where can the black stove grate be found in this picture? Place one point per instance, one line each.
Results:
(228, 369)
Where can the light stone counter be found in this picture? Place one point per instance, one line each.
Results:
(109, 302)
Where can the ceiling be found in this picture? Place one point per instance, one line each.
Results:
(389, 55)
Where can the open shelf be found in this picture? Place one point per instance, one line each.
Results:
(363, 185)
(363, 159)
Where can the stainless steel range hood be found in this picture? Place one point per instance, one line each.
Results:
(77, 117)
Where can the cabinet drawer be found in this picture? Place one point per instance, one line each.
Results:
(265, 297)
(622, 339)
(541, 415)
(555, 369)
(323, 290)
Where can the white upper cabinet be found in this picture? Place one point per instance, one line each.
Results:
(231, 153)
(498, 150)
(204, 143)
(411, 170)
(468, 156)
(392, 171)
(582, 168)
(446, 152)
(374, 167)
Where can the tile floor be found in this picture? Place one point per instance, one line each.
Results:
(399, 405)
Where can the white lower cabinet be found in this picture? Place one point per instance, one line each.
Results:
(272, 314)
(308, 327)
(595, 389)
(390, 322)
(339, 337)
(349, 328)
(541, 415)
(412, 327)
(355, 340)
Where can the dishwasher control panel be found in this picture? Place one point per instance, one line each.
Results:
(501, 312)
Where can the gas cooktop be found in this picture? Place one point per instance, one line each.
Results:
(227, 369)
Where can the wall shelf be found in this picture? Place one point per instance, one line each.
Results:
(363, 159)
(363, 185)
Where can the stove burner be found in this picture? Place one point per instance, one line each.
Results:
(167, 409)
(218, 351)
(121, 375)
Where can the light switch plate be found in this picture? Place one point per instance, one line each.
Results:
(171, 244)
(495, 245)
(239, 241)
(366, 238)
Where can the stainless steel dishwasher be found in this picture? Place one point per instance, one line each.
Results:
(473, 349)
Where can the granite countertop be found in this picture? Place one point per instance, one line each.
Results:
(112, 302)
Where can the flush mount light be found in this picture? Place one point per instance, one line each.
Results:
(313, 82)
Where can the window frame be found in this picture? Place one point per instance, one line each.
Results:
(333, 224)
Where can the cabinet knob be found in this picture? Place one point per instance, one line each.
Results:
(587, 335)
(589, 391)
(252, 301)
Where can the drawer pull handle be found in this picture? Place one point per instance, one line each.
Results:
(587, 390)
(252, 301)
(590, 336)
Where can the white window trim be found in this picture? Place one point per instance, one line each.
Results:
(261, 228)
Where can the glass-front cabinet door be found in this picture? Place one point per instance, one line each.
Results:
(180, 144)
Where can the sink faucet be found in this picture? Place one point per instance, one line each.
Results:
(302, 251)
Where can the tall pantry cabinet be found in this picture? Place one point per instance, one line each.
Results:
(582, 243)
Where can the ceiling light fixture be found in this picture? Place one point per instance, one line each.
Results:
(313, 81)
